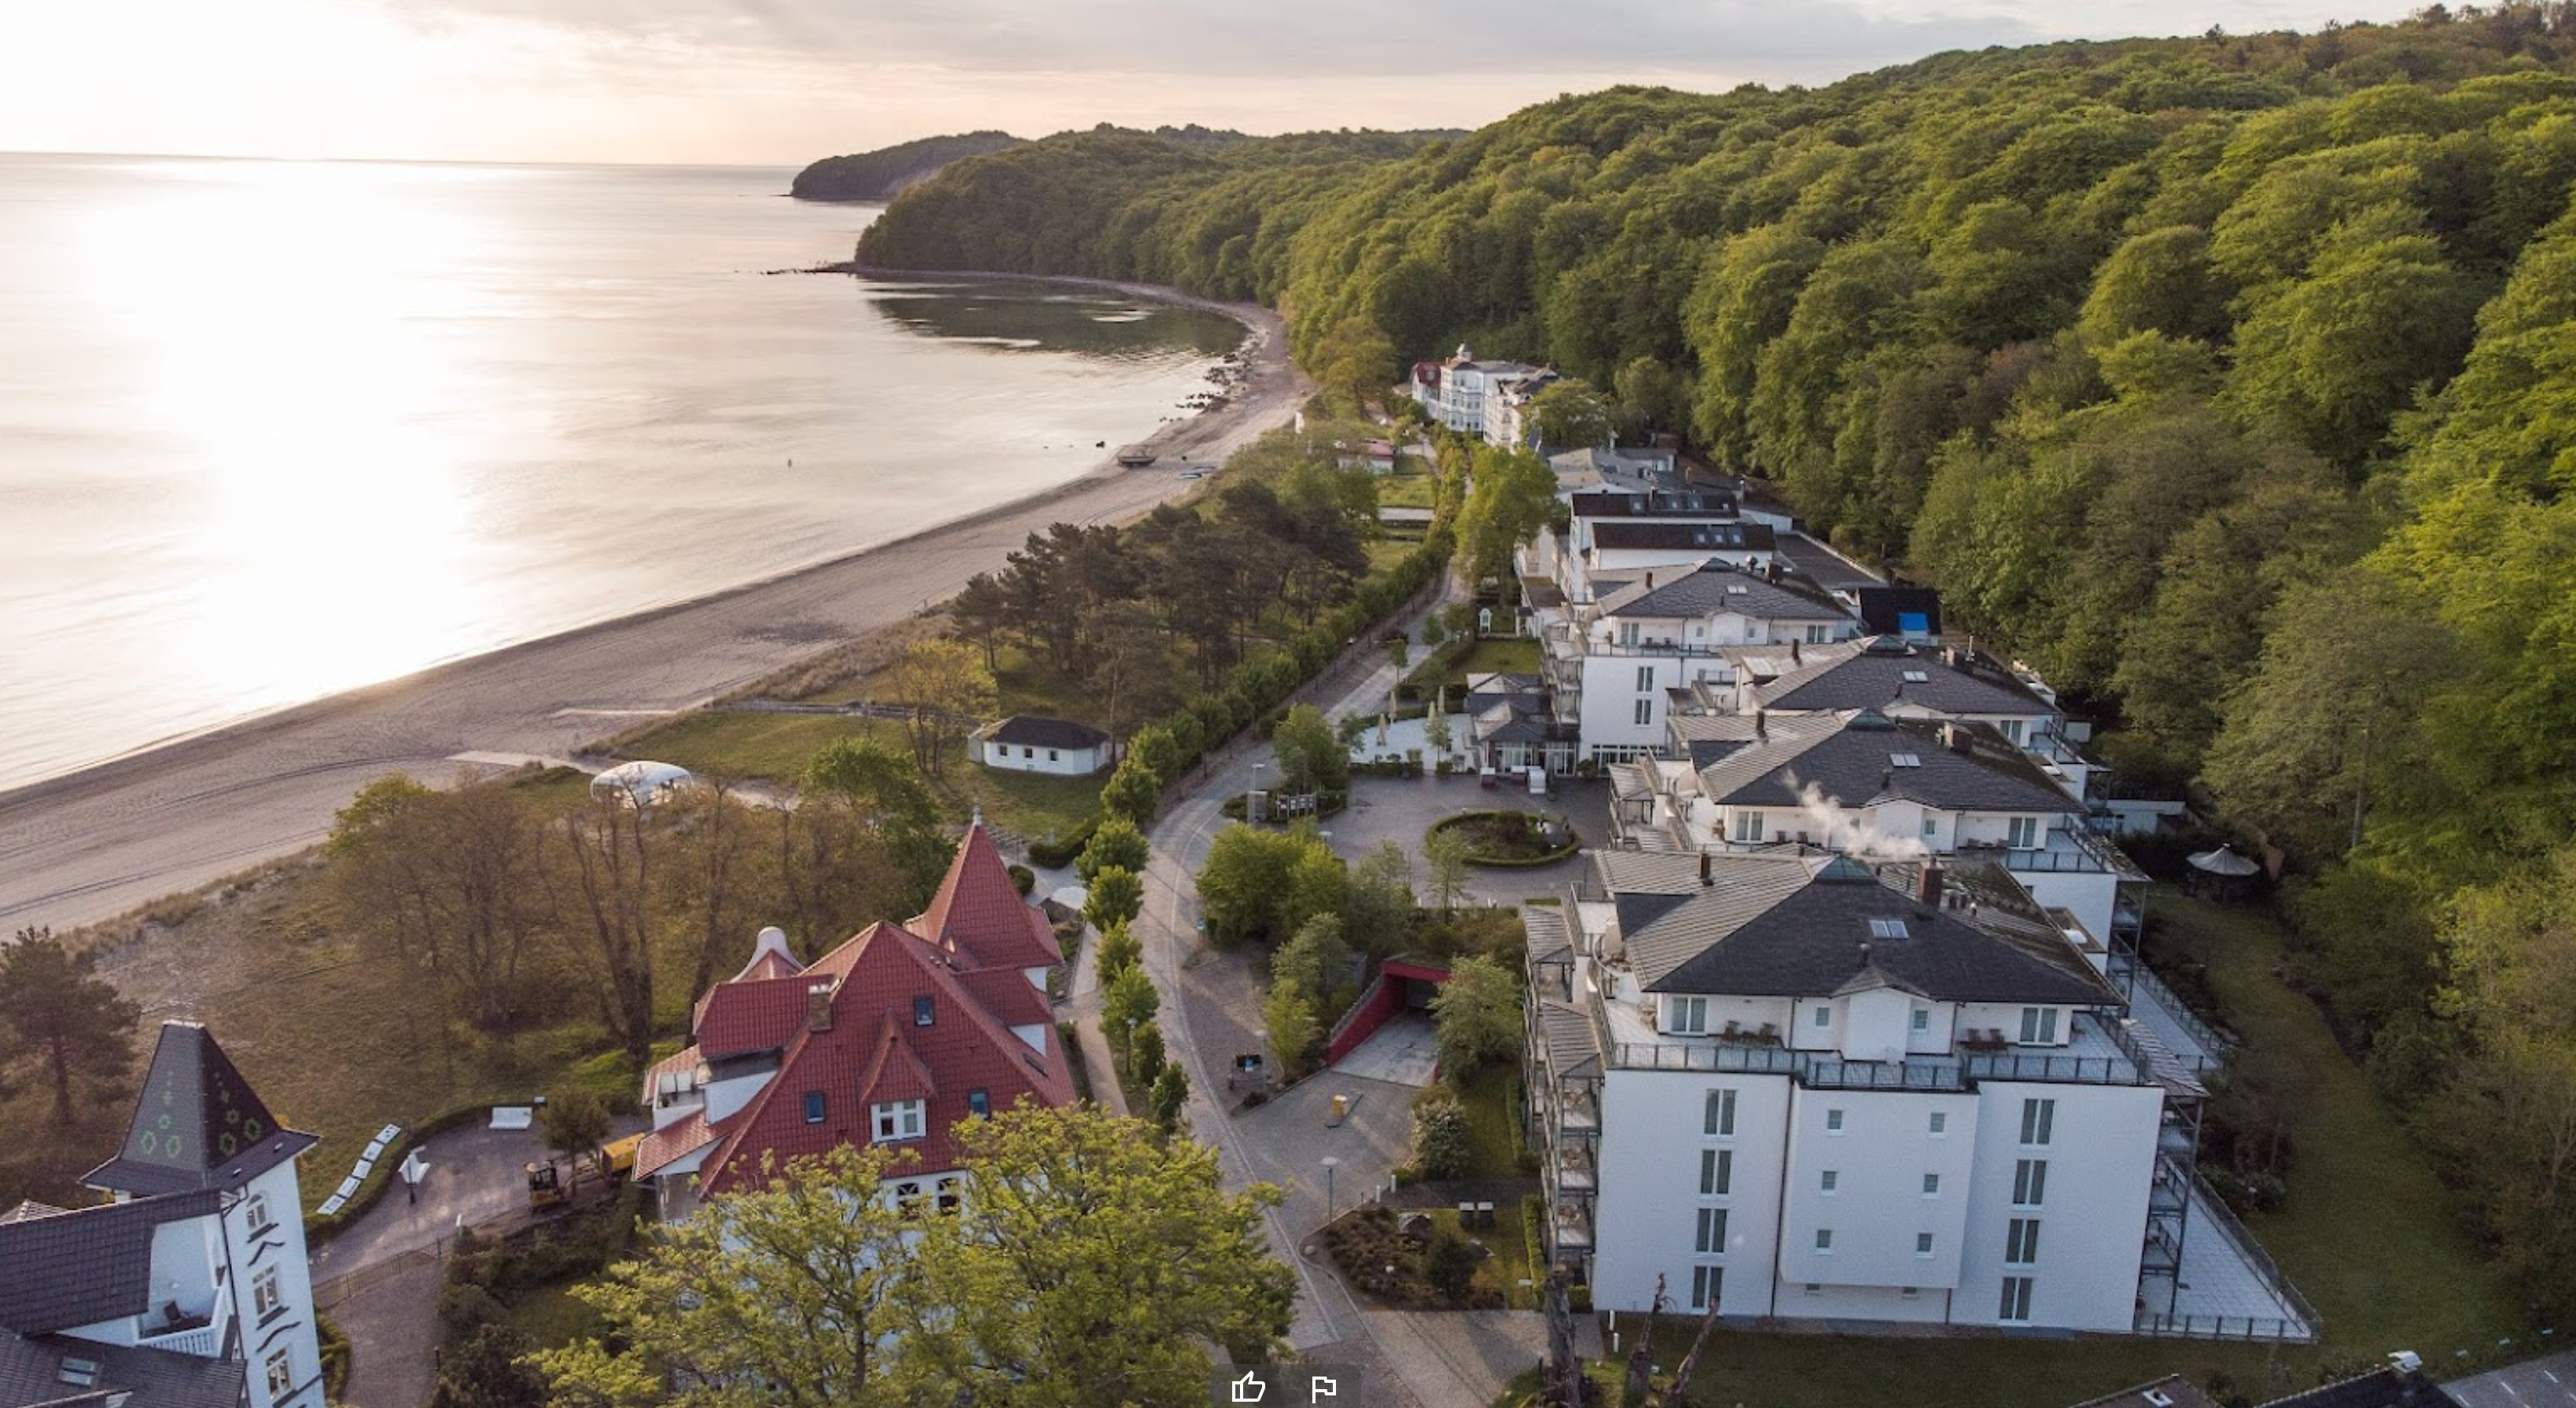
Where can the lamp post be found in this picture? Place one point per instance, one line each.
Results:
(1330, 1163)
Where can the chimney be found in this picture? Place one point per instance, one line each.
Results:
(1959, 739)
(1707, 875)
(1927, 885)
(818, 1007)
(1761, 726)
(1793, 651)
(1650, 581)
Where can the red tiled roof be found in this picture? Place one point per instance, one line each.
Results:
(687, 1058)
(754, 1014)
(769, 965)
(672, 1142)
(1012, 1000)
(871, 1043)
(979, 916)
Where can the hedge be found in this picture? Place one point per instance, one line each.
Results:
(1574, 841)
(1055, 855)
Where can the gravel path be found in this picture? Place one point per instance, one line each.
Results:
(86, 847)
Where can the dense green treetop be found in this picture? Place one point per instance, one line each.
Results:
(884, 173)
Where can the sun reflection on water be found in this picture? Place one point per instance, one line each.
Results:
(295, 354)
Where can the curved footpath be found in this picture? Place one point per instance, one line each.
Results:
(91, 845)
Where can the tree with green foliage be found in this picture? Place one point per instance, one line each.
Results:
(1120, 950)
(884, 795)
(1127, 1002)
(1145, 1055)
(1310, 756)
(1289, 1015)
(1115, 844)
(1259, 884)
(1314, 960)
(573, 1122)
(1170, 1097)
(1131, 793)
(1354, 364)
(1445, 855)
(1573, 414)
(58, 1016)
(1378, 903)
(1477, 1014)
(1511, 496)
(1449, 1264)
(947, 687)
(1113, 899)
(1443, 1144)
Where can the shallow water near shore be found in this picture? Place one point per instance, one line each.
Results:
(272, 430)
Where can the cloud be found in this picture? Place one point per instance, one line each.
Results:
(1317, 40)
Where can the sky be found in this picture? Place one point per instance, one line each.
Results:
(780, 82)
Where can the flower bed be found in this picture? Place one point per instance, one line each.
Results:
(1513, 838)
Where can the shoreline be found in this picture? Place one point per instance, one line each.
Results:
(91, 843)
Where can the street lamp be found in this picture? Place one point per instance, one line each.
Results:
(1330, 1163)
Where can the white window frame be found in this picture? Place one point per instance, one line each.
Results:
(1645, 711)
(1824, 1015)
(1717, 1114)
(2021, 1242)
(1711, 1233)
(1708, 1285)
(1923, 1244)
(2021, 833)
(1685, 1016)
(281, 1375)
(1824, 1241)
(265, 1293)
(2014, 1308)
(1748, 827)
(1939, 1124)
(2038, 1123)
(895, 1121)
(255, 1214)
(1922, 1019)
(2039, 1026)
(1829, 1181)
(2030, 1183)
(1834, 1121)
(1716, 1172)
(1645, 679)
(1931, 1185)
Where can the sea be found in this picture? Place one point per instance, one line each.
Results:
(274, 430)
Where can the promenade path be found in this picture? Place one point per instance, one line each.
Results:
(92, 845)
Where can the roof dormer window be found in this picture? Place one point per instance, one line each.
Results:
(922, 1011)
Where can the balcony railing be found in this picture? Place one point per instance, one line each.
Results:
(1825, 1071)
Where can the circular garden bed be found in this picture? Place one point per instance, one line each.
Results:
(1512, 838)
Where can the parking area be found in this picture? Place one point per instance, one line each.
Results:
(1403, 1052)
(2536, 1383)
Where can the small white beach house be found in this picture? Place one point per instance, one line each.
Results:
(1028, 743)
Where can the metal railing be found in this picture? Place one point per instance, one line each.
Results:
(2212, 1211)
(2257, 1328)
(2143, 980)
(1821, 1071)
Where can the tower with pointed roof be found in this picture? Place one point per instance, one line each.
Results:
(190, 1288)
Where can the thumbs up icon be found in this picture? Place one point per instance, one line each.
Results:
(1249, 1389)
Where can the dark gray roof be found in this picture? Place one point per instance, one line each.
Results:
(1784, 925)
(1851, 759)
(1705, 738)
(1573, 1043)
(1712, 587)
(1830, 568)
(32, 1372)
(1033, 731)
(67, 1269)
(1884, 671)
(2388, 1387)
(1652, 503)
(197, 1125)
(1543, 929)
(1683, 536)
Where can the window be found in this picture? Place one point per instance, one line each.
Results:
(1905, 760)
(948, 1195)
(2021, 1241)
(2016, 1306)
(2030, 1183)
(1627, 633)
(264, 1295)
(1909, 1293)
(1931, 1185)
(907, 1198)
(1940, 1123)
(813, 1107)
(1748, 826)
(1917, 677)
(1716, 1172)
(1922, 1019)
(255, 1213)
(1887, 929)
(1825, 1241)
(1686, 1016)
(281, 1376)
(1833, 1121)
(1818, 635)
(1922, 1244)
(1814, 1289)
(2039, 1026)
(1028, 752)
(1931, 827)
(2022, 833)
(1645, 679)
(1718, 1119)
(1831, 1179)
(1706, 1285)
(899, 1120)
(1824, 1016)
(1645, 711)
(1712, 1229)
(979, 1103)
(2038, 1117)
(922, 1011)
(1054, 757)
(2011, 730)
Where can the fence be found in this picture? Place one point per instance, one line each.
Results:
(2143, 981)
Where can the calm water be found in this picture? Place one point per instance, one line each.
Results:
(273, 430)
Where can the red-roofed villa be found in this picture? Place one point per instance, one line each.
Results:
(891, 1038)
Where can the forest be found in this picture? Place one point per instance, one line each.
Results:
(885, 172)
(2229, 380)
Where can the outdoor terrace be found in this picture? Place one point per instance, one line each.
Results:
(2096, 1054)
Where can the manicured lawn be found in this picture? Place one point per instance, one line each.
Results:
(1511, 656)
(1406, 490)
(776, 747)
(1508, 1267)
(2368, 1232)
(1492, 1123)
(550, 1317)
(1842, 1371)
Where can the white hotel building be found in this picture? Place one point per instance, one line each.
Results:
(1791, 1085)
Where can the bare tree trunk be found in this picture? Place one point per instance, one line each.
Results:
(1678, 1395)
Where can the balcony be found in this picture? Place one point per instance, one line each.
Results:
(2093, 1055)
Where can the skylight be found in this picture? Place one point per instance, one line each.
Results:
(1887, 929)
(1905, 760)
(1917, 677)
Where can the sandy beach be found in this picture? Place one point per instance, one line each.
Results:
(95, 843)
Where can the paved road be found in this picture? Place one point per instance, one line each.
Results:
(2536, 1383)
(87, 847)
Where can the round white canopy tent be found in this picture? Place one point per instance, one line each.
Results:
(639, 784)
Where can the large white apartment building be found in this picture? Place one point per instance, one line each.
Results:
(1615, 663)
(190, 1289)
(1788, 1084)
(1455, 391)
